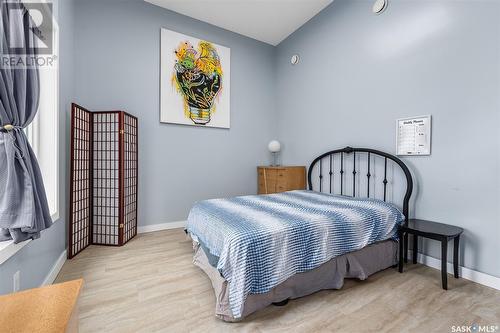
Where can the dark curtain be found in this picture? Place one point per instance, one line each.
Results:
(24, 210)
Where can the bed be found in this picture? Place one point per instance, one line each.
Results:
(259, 250)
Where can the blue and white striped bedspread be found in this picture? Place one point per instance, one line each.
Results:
(262, 240)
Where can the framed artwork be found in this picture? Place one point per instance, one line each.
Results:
(195, 81)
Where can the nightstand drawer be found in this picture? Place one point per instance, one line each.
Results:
(281, 179)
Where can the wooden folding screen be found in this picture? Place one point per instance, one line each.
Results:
(129, 176)
(103, 180)
(80, 180)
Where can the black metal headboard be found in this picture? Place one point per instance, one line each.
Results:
(329, 157)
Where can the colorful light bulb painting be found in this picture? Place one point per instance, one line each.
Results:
(197, 92)
(198, 77)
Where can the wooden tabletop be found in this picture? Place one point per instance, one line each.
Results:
(46, 309)
(435, 228)
(279, 166)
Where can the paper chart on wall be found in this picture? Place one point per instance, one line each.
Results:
(414, 136)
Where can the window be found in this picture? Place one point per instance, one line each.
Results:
(43, 137)
(43, 133)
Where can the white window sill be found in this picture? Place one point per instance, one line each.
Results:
(9, 249)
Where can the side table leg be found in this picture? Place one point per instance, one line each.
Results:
(444, 261)
(415, 248)
(456, 242)
(401, 249)
(405, 251)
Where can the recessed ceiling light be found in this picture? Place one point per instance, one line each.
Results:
(295, 59)
(379, 6)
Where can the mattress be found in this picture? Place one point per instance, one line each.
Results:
(330, 275)
(257, 242)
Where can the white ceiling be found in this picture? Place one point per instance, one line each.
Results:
(269, 21)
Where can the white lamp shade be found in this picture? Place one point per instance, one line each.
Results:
(274, 146)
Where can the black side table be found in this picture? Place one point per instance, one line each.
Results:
(433, 230)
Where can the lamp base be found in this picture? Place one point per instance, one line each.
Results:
(275, 160)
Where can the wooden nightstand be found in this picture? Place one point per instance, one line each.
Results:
(281, 178)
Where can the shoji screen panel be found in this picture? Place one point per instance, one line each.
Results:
(80, 208)
(106, 179)
(104, 163)
(130, 175)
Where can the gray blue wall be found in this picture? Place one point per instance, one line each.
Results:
(36, 259)
(118, 56)
(359, 72)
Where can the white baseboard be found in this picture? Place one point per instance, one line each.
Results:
(464, 272)
(161, 226)
(51, 277)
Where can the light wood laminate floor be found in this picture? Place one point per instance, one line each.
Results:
(151, 285)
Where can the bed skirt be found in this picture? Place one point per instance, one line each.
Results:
(359, 264)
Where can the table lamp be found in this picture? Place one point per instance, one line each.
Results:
(274, 147)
